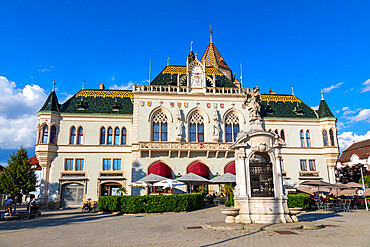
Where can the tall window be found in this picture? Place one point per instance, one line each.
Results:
(73, 136)
(106, 164)
(102, 136)
(45, 134)
(312, 165)
(302, 138)
(325, 138)
(231, 127)
(282, 134)
(196, 128)
(69, 164)
(116, 136)
(79, 164)
(331, 134)
(303, 164)
(124, 136)
(53, 133)
(80, 135)
(110, 136)
(116, 164)
(276, 132)
(308, 139)
(159, 127)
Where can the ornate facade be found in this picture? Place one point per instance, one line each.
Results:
(185, 120)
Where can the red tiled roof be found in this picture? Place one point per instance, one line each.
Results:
(362, 149)
(35, 162)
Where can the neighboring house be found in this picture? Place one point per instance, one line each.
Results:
(356, 153)
(184, 121)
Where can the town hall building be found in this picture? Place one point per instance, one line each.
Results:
(183, 122)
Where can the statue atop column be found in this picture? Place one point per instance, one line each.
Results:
(253, 97)
(179, 126)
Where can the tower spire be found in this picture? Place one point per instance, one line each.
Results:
(53, 85)
(322, 94)
(191, 46)
(168, 61)
(292, 91)
(83, 85)
(210, 33)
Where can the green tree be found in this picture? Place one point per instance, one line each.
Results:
(122, 190)
(366, 180)
(18, 177)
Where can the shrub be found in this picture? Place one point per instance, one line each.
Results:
(366, 180)
(151, 203)
(300, 200)
(230, 203)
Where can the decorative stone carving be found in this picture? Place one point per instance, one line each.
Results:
(262, 147)
(216, 127)
(253, 97)
(179, 126)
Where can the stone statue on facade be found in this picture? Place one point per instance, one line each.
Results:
(179, 126)
(216, 127)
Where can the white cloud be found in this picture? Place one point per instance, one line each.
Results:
(367, 86)
(44, 70)
(345, 108)
(18, 108)
(328, 89)
(128, 86)
(364, 114)
(347, 138)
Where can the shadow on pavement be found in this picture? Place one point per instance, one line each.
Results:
(317, 216)
(230, 239)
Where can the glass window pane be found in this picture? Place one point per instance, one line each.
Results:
(116, 164)
(116, 136)
(80, 135)
(193, 137)
(303, 165)
(52, 134)
(282, 134)
(236, 131)
(109, 162)
(102, 136)
(73, 135)
(155, 131)
(312, 165)
(79, 164)
(110, 136)
(164, 132)
(124, 134)
(45, 134)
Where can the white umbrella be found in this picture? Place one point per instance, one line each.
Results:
(168, 183)
(287, 184)
(140, 184)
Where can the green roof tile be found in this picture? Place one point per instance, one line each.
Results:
(324, 110)
(51, 103)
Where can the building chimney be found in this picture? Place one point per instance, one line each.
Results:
(101, 86)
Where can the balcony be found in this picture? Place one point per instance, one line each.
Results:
(185, 147)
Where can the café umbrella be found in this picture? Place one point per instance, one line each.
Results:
(168, 183)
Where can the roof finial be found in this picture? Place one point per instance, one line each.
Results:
(210, 32)
(241, 73)
(292, 91)
(83, 85)
(191, 46)
(322, 94)
(150, 68)
(168, 61)
(53, 85)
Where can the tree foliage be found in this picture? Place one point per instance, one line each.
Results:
(350, 174)
(18, 177)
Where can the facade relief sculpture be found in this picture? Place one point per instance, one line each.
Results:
(179, 126)
(216, 127)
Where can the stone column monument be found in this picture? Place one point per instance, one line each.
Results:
(259, 192)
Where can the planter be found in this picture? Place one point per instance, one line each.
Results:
(294, 212)
(230, 214)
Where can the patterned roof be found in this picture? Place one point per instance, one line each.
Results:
(169, 74)
(362, 149)
(324, 110)
(51, 103)
(213, 58)
(99, 101)
(285, 106)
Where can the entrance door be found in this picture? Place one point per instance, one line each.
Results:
(72, 195)
(261, 176)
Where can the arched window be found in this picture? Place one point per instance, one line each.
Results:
(53, 133)
(80, 135)
(102, 136)
(308, 139)
(276, 132)
(331, 134)
(302, 138)
(196, 128)
(282, 134)
(325, 138)
(231, 127)
(73, 136)
(124, 136)
(110, 136)
(159, 131)
(45, 134)
(116, 136)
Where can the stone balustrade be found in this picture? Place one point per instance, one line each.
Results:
(185, 146)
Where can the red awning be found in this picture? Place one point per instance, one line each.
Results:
(230, 168)
(199, 169)
(160, 169)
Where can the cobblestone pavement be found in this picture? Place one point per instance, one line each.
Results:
(72, 228)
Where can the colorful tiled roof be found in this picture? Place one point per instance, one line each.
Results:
(213, 58)
(99, 101)
(285, 106)
(362, 149)
(169, 74)
(324, 110)
(51, 103)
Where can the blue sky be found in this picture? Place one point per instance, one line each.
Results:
(308, 45)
